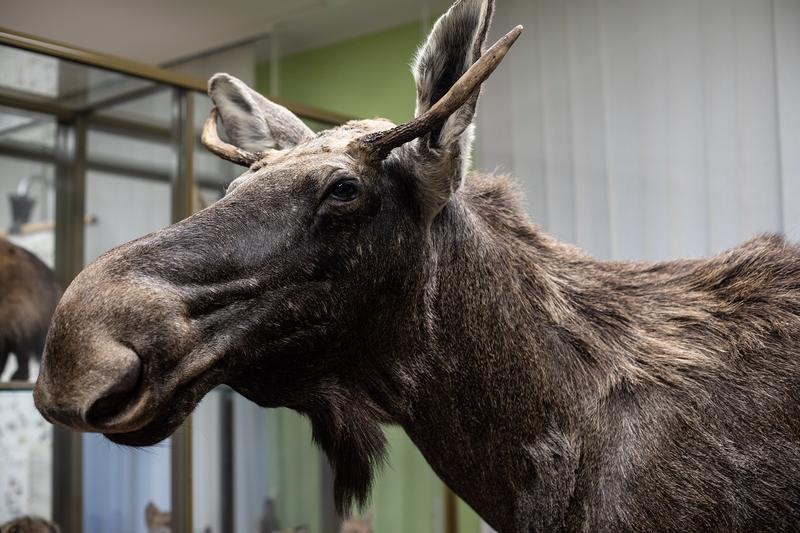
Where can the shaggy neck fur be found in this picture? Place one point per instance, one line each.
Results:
(550, 386)
(494, 400)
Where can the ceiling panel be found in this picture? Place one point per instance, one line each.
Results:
(158, 31)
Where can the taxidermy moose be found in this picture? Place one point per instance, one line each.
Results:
(362, 276)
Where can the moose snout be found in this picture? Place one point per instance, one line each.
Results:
(96, 395)
(115, 346)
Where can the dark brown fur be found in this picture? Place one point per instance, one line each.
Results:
(28, 296)
(551, 391)
(622, 396)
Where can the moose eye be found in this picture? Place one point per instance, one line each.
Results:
(344, 191)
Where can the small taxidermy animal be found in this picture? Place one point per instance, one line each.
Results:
(157, 521)
(29, 524)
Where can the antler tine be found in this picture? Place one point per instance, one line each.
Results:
(378, 145)
(211, 140)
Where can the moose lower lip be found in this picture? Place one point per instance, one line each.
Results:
(145, 436)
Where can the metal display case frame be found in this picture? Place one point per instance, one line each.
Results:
(71, 165)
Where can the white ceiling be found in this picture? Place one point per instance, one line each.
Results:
(161, 31)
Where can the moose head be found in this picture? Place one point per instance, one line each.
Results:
(303, 287)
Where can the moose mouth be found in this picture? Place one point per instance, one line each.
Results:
(163, 417)
(145, 402)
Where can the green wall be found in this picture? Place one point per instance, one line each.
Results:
(365, 77)
(294, 470)
(407, 495)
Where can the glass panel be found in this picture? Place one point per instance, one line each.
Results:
(261, 463)
(150, 105)
(38, 78)
(26, 449)
(251, 452)
(130, 161)
(120, 483)
(27, 208)
(27, 72)
(28, 293)
(128, 195)
(209, 467)
(265, 458)
(30, 134)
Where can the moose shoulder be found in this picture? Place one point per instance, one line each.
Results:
(361, 276)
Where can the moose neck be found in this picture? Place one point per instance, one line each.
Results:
(503, 380)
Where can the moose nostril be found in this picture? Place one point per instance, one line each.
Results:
(116, 397)
(107, 407)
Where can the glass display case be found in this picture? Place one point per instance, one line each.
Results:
(94, 152)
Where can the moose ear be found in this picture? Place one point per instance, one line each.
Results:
(455, 43)
(449, 71)
(252, 122)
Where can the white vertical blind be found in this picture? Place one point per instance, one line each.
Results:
(787, 59)
(646, 129)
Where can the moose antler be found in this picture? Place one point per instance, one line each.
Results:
(211, 140)
(377, 146)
